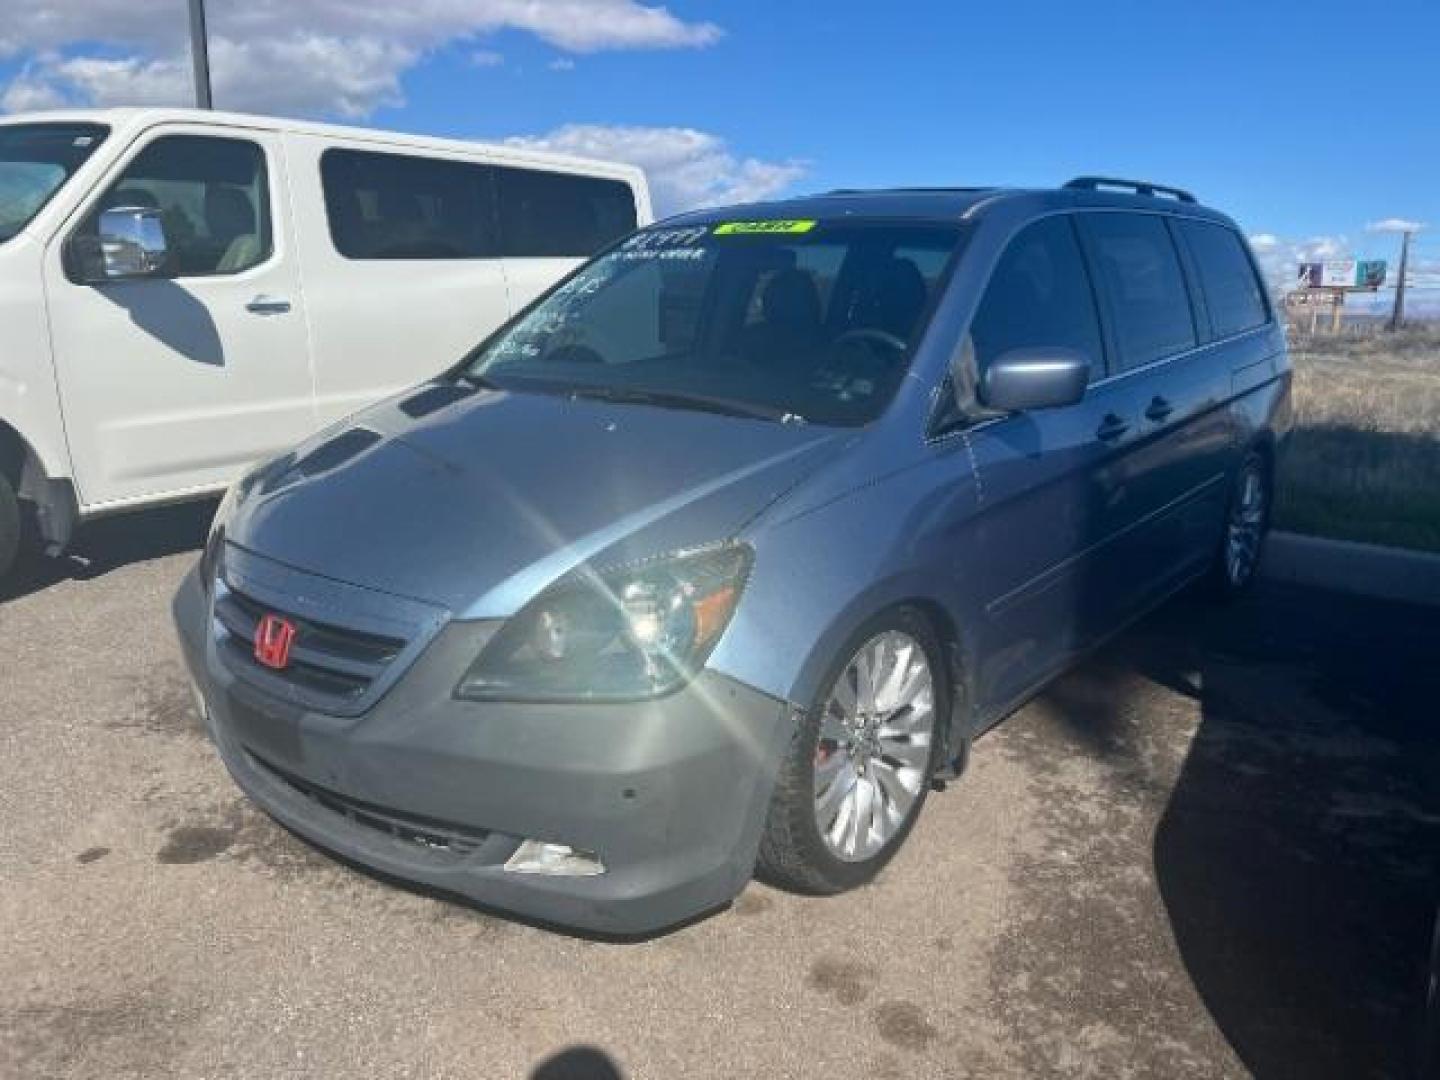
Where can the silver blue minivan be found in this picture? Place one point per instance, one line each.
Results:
(717, 558)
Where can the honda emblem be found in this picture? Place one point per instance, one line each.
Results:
(273, 637)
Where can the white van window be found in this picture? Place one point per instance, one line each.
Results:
(557, 214)
(397, 206)
(35, 159)
(213, 195)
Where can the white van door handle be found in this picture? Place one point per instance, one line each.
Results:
(268, 305)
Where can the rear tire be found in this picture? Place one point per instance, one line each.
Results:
(11, 528)
(859, 766)
(1247, 522)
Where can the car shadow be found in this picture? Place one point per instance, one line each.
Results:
(1295, 856)
(170, 314)
(110, 543)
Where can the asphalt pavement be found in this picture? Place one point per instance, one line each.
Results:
(1211, 851)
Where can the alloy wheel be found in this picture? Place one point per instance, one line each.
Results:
(1246, 526)
(872, 756)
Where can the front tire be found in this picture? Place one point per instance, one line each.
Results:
(10, 528)
(859, 767)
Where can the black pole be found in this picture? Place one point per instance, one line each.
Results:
(200, 54)
(1397, 317)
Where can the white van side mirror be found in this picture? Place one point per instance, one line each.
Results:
(130, 244)
(132, 241)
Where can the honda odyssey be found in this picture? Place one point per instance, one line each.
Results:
(721, 554)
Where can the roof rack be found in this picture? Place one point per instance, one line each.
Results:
(1139, 187)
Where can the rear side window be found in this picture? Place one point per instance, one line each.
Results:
(1233, 294)
(213, 197)
(555, 214)
(1140, 277)
(1039, 295)
(396, 206)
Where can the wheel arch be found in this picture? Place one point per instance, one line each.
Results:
(956, 645)
(15, 452)
(57, 509)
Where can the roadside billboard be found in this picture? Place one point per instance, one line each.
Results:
(1342, 274)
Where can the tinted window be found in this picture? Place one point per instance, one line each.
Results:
(393, 206)
(35, 159)
(1234, 296)
(816, 323)
(1039, 295)
(213, 197)
(552, 214)
(1139, 272)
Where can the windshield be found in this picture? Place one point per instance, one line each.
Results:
(795, 321)
(35, 159)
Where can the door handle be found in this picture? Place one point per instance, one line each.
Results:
(1159, 410)
(268, 305)
(1112, 427)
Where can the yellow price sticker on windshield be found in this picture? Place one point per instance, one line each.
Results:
(739, 228)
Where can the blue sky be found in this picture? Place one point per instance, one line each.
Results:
(1306, 121)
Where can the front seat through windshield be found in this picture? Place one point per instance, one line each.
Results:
(815, 323)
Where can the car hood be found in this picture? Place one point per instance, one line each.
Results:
(476, 500)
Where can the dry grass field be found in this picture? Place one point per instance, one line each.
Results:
(1364, 461)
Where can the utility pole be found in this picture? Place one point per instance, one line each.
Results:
(200, 54)
(1397, 316)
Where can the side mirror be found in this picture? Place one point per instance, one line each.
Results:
(1034, 378)
(130, 244)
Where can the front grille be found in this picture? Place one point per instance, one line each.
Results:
(439, 841)
(328, 662)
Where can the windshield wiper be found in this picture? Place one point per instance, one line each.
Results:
(479, 382)
(683, 399)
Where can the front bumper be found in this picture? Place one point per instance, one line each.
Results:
(670, 794)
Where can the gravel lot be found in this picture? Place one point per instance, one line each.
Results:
(1209, 852)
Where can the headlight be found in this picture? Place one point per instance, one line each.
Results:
(637, 632)
(225, 509)
(210, 556)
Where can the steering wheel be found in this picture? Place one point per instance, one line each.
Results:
(870, 336)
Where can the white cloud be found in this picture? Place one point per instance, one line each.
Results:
(563, 63)
(342, 57)
(1280, 258)
(486, 58)
(1395, 225)
(686, 168)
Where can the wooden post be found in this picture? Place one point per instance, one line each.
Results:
(1397, 315)
(1337, 310)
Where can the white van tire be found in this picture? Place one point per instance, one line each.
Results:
(11, 525)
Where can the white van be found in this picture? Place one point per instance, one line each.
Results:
(185, 292)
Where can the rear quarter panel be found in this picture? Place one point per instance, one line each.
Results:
(1261, 411)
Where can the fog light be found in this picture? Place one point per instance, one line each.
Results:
(557, 860)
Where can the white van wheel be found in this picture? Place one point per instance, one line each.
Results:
(10, 525)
